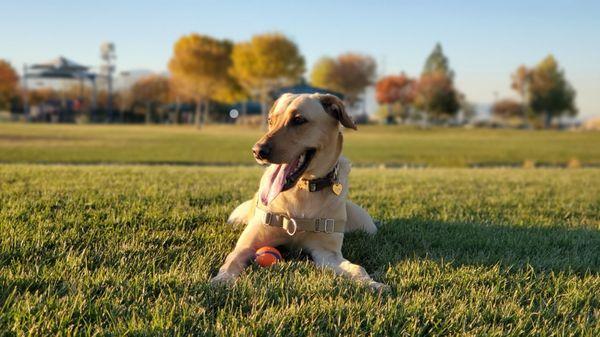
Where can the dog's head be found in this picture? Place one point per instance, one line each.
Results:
(303, 139)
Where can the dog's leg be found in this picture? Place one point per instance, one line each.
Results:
(234, 264)
(358, 219)
(341, 266)
(253, 237)
(241, 214)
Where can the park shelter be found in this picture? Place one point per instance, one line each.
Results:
(59, 68)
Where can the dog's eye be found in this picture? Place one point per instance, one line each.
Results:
(270, 121)
(298, 120)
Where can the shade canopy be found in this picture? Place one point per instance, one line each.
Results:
(60, 67)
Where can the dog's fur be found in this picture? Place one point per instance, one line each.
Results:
(323, 115)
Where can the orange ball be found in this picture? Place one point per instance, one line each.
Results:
(267, 256)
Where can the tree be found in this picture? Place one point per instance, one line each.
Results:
(435, 92)
(150, 91)
(551, 94)
(519, 82)
(200, 66)
(508, 108)
(264, 63)
(436, 95)
(349, 74)
(8, 84)
(395, 89)
(438, 62)
(544, 90)
(322, 74)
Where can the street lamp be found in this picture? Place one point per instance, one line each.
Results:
(108, 55)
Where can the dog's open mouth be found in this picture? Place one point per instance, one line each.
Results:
(281, 177)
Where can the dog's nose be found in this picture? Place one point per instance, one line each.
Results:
(261, 151)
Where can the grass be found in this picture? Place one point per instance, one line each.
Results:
(128, 250)
(371, 145)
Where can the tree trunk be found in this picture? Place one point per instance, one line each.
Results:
(390, 115)
(548, 120)
(205, 113)
(197, 114)
(148, 112)
(177, 110)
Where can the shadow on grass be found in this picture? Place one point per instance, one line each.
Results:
(544, 248)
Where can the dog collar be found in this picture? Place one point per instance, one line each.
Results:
(315, 185)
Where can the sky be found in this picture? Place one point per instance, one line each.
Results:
(485, 41)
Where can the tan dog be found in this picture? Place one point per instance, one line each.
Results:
(301, 200)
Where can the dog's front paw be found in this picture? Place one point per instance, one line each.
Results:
(222, 278)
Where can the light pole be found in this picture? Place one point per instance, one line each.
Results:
(25, 94)
(107, 52)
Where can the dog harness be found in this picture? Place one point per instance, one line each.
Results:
(293, 225)
(318, 225)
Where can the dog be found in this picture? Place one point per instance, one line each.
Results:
(302, 197)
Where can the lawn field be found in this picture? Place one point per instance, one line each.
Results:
(128, 250)
(370, 145)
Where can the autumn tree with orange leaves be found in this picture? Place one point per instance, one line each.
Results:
(8, 84)
(395, 90)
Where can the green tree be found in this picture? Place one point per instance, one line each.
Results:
(551, 95)
(544, 90)
(265, 63)
(200, 67)
(435, 94)
(8, 84)
(438, 62)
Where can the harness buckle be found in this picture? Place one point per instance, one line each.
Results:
(268, 217)
(291, 220)
(329, 226)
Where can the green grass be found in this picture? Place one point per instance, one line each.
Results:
(128, 250)
(371, 145)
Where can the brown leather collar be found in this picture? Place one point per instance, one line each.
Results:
(315, 185)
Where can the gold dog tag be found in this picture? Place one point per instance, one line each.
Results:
(337, 188)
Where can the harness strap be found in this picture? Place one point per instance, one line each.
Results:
(293, 225)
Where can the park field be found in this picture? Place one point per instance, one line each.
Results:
(219, 145)
(128, 249)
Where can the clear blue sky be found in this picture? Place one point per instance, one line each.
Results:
(485, 41)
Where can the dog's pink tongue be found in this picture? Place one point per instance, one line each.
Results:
(272, 182)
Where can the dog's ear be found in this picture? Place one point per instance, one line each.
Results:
(335, 108)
